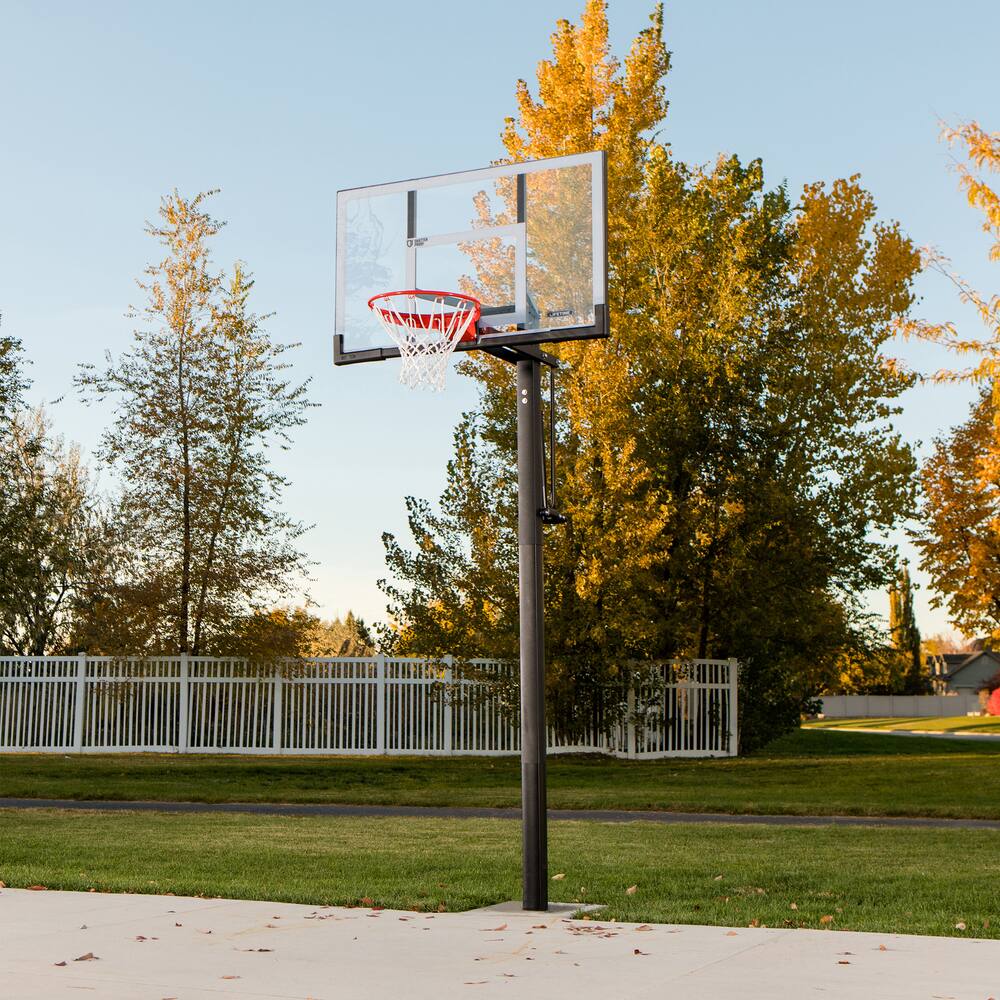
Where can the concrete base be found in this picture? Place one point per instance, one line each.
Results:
(61, 945)
(559, 909)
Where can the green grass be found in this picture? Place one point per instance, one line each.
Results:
(808, 772)
(952, 724)
(886, 880)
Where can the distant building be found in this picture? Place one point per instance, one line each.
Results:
(962, 673)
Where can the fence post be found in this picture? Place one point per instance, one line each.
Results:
(630, 744)
(79, 700)
(380, 703)
(182, 705)
(734, 702)
(278, 710)
(449, 679)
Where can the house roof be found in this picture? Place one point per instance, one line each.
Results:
(957, 662)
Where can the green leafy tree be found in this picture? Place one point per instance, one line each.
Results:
(51, 528)
(202, 397)
(13, 381)
(728, 458)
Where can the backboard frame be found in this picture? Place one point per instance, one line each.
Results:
(485, 338)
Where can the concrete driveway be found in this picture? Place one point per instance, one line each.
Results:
(70, 944)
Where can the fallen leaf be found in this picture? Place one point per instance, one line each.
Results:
(229, 977)
(89, 957)
(635, 951)
(843, 961)
(367, 901)
(38, 888)
(139, 937)
(442, 908)
(631, 890)
(794, 906)
(539, 927)
(718, 878)
(59, 965)
(502, 927)
(730, 933)
(828, 919)
(177, 924)
(475, 982)
(557, 878)
(882, 947)
(644, 927)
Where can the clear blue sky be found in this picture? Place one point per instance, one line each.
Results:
(106, 106)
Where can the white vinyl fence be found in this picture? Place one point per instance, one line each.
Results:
(343, 705)
(896, 706)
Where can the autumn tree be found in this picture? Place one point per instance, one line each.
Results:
(959, 541)
(728, 459)
(201, 398)
(289, 633)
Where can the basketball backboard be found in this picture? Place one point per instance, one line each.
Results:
(528, 240)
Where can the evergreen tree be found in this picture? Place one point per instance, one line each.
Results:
(905, 635)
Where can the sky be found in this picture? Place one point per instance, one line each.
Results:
(105, 107)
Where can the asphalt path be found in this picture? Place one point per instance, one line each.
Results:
(467, 812)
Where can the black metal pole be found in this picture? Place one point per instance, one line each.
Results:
(529, 538)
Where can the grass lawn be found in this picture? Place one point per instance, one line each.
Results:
(808, 772)
(903, 880)
(953, 724)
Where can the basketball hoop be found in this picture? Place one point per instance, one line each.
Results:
(426, 327)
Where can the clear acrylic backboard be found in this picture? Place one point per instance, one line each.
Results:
(528, 240)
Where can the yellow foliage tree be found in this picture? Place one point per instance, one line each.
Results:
(725, 455)
(960, 540)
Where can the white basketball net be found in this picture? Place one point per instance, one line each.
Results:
(426, 327)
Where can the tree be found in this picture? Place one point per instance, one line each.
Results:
(289, 634)
(50, 526)
(12, 378)
(202, 396)
(905, 635)
(728, 459)
(959, 542)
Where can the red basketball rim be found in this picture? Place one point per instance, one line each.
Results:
(428, 321)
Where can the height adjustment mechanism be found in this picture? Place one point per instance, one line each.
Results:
(550, 513)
